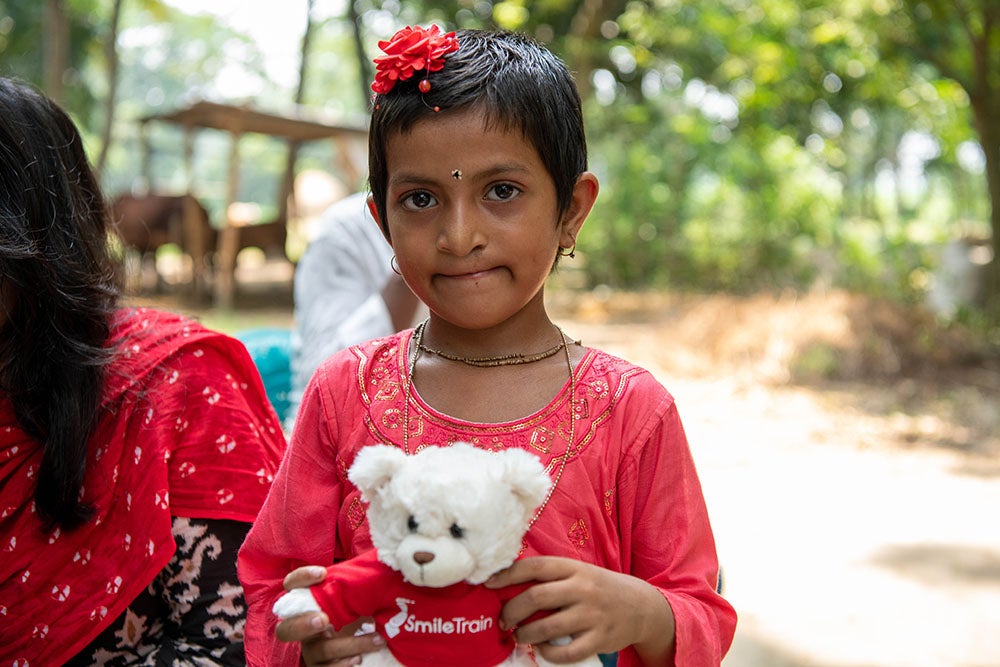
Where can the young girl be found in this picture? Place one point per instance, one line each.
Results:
(478, 177)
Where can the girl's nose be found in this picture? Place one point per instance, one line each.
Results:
(461, 231)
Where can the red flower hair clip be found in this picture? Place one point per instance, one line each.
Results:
(411, 50)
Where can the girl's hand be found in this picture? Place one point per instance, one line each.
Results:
(601, 610)
(322, 646)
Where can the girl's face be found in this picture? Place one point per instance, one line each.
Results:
(473, 219)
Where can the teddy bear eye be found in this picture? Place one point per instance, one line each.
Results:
(456, 531)
(412, 524)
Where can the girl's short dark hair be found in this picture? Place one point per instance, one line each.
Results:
(56, 270)
(516, 82)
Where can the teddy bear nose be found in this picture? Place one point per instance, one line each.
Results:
(423, 557)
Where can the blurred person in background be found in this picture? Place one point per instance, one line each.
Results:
(346, 291)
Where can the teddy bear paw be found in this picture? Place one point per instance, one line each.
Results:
(295, 602)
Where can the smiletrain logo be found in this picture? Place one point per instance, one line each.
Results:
(457, 625)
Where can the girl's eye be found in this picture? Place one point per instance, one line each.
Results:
(417, 201)
(503, 192)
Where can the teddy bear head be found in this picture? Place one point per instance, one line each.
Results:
(448, 514)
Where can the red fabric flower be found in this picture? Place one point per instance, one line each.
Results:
(411, 50)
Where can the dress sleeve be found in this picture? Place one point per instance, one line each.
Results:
(666, 532)
(297, 526)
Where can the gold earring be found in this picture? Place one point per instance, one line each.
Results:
(568, 252)
(394, 266)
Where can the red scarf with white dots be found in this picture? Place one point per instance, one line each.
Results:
(185, 430)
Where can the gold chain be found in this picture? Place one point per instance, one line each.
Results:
(418, 335)
(571, 445)
(512, 359)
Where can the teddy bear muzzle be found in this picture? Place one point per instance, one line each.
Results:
(434, 562)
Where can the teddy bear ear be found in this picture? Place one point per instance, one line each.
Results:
(526, 476)
(373, 467)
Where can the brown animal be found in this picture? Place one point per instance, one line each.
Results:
(146, 222)
(268, 236)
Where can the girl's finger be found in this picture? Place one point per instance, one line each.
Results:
(303, 627)
(303, 577)
(340, 650)
(535, 568)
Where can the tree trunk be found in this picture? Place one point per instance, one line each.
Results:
(984, 97)
(989, 137)
(111, 58)
(56, 49)
(288, 182)
(364, 64)
(584, 33)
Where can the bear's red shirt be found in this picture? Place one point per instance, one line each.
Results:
(455, 625)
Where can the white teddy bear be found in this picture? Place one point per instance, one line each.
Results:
(442, 521)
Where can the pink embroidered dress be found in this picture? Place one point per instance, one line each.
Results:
(629, 498)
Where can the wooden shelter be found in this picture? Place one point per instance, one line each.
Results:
(296, 127)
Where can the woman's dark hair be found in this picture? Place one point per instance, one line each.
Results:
(59, 287)
(516, 83)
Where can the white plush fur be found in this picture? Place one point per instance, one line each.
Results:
(488, 497)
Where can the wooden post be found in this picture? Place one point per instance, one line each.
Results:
(345, 161)
(229, 240)
(144, 155)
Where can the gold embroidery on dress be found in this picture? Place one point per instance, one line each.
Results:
(598, 388)
(392, 418)
(609, 500)
(541, 439)
(541, 432)
(578, 533)
(387, 392)
(356, 513)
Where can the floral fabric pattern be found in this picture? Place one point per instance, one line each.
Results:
(191, 614)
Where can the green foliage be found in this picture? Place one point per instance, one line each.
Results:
(22, 38)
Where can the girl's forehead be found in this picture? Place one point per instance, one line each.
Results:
(468, 134)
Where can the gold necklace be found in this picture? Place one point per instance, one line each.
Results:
(418, 335)
(512, 359)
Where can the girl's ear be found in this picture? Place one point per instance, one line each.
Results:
(373, 209)
(584, 195)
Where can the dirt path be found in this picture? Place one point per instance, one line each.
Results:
(837, 550)
(857, 525)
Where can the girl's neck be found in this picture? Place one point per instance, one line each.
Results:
(521, 335)
(492, 393)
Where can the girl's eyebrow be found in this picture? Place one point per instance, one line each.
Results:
(505, 168)
(410, 179)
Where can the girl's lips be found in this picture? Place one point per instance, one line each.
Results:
(471, 275)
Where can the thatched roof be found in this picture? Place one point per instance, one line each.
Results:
(297, 125)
